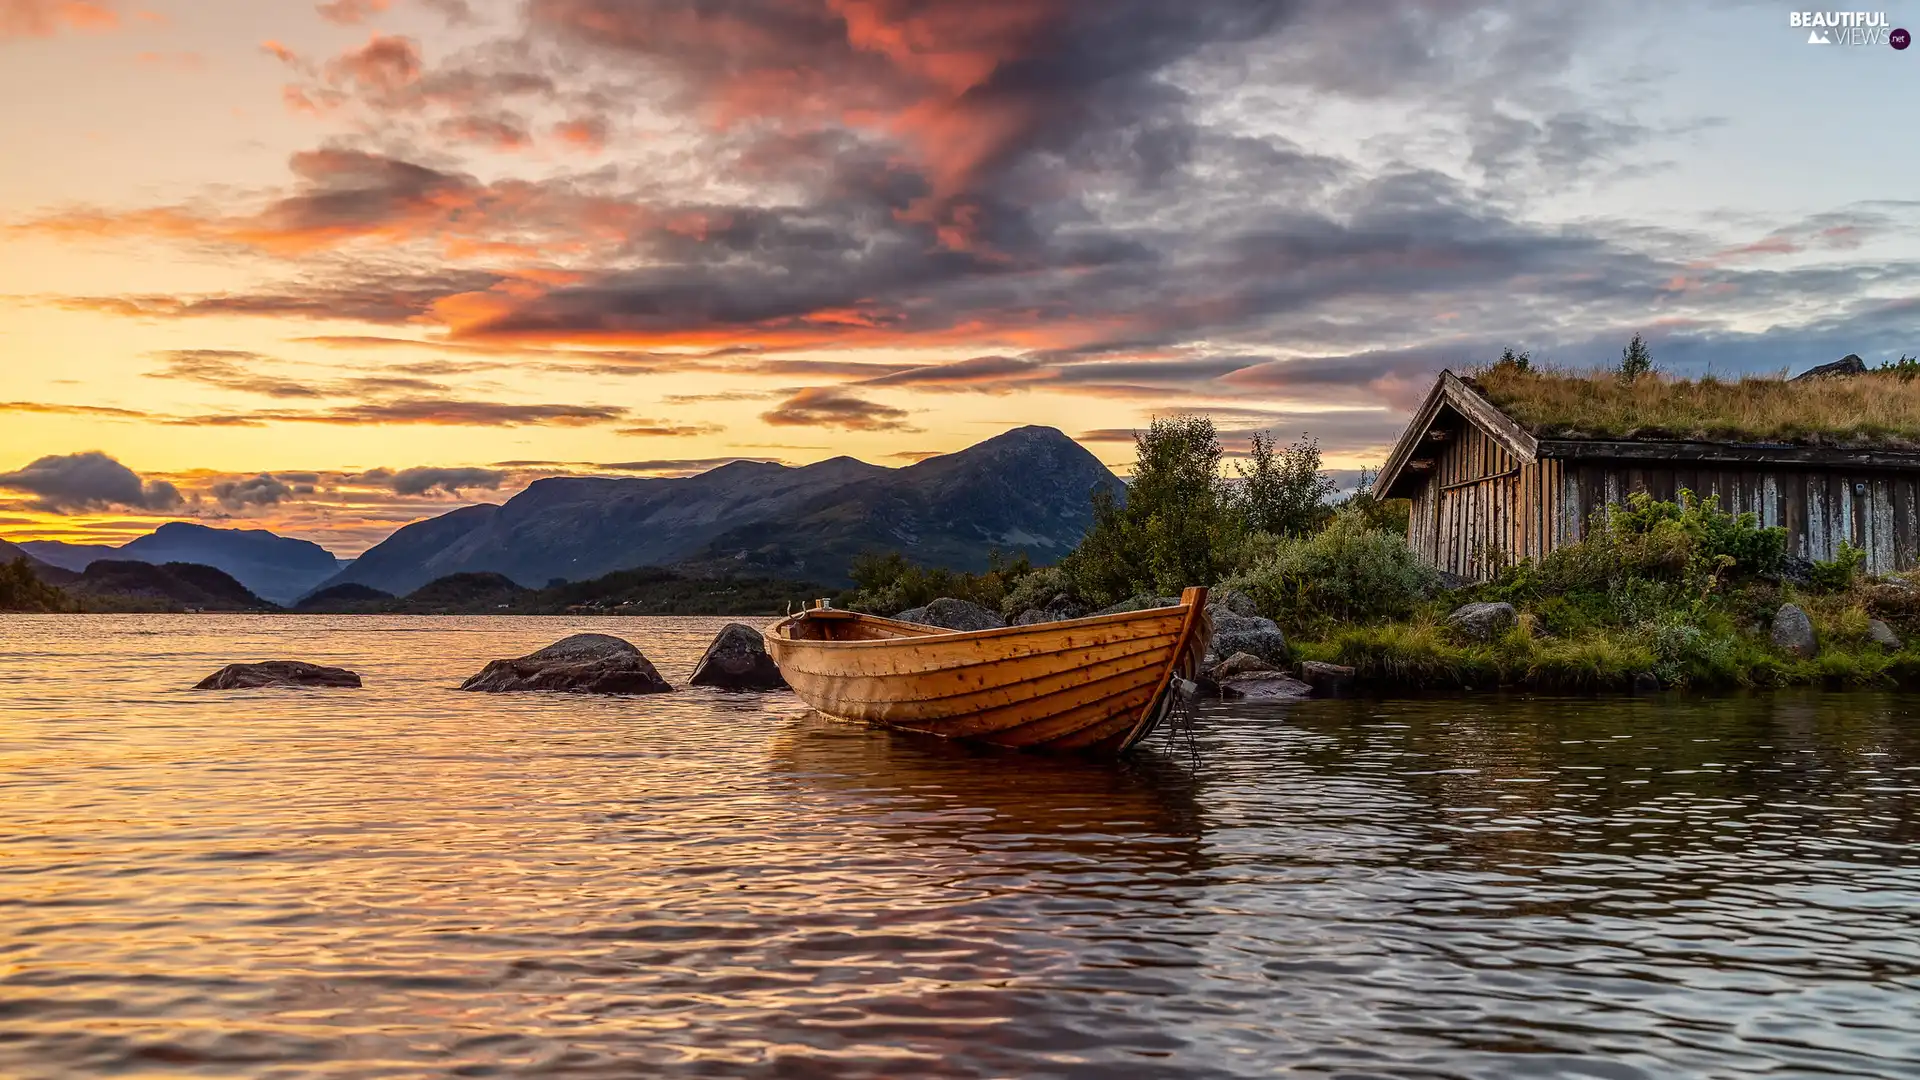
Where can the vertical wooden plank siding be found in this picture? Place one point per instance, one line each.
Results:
(1480, 508)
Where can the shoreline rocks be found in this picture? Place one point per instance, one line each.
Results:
(950, 614)
(737, 660)
(1483, 622)
(581, 664)
(280, 673)
(1793, 632)
(1327, 680)
(1264, 686)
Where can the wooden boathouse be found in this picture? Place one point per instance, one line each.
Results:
(1488, 490)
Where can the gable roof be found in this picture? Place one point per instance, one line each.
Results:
(1870, 446)
(1451, 393)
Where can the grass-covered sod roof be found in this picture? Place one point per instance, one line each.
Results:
(1873, 410)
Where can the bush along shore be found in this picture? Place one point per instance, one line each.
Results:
(1658, 596)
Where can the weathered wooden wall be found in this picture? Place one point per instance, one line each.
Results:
(1480, 508)
(1877, 511)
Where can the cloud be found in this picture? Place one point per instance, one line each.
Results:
(667, 429)
(45, 18)
(261, 490)
(88, 481)
(351, 12)
(420, 481)
(437, 411)
(826, 406)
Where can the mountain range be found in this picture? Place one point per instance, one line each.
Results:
(277, 568)
(1026, 490)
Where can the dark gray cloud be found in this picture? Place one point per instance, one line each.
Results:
(262, 490)
(88, 481)
(420, 481)
(826, 406)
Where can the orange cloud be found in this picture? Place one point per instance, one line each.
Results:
(45, 18)
(351, 12)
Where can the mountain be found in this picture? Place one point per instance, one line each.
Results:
(116, 585)
(67, 556)
(1027, 490)
(278, 568)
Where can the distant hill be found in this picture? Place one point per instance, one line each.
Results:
(1027, 490)
(275, 567)
(343, 598)
(463, 594)
(116, 585)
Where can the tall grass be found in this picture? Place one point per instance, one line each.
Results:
(1878, 408)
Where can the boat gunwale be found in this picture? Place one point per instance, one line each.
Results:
(778, 630)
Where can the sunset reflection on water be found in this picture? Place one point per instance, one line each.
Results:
(410, 881)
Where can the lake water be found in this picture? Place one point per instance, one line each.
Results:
(409, 881)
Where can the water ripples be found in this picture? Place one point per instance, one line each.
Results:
(409, 881)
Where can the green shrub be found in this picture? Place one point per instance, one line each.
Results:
(1344, 573)
(889, 583)
(1035, 590)
(1838, 573)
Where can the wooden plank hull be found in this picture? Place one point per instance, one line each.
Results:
(1097, 684)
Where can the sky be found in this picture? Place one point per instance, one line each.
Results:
(330, 268)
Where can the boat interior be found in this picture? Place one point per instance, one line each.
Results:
(831, 624)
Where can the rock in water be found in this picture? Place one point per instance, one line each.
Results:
(1253, 635)
(279, 673)
(951, 614)
(1327, 680)
(582, 664)
(1883, 635)
(1646, 682)
(1264, 686)
(1793, 631)
(1483, 622)
(738, 660)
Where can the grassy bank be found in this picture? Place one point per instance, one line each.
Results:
(1680, 594)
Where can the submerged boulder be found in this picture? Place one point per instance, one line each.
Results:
(1483, 622)
(296, 673)
(1327, 680)
(738, 660)
(1793, 631)
(951, 614)
(1264, 686)
(581, 664)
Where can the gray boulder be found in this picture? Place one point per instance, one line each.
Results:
(1249, 634)
(738, 660)
(1883, 635)
(1139, 603)
(1264, 686)
(951, 614)
(274, 673)
(1793, 631)
(1232, 602)
(1239, 664)
(1483, 622)
(1327, 680)
(581, 664)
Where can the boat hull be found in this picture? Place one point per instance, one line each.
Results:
(1096, 684)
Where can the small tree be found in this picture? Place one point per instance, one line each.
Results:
(1519, 361)
(1284, 492)
(1176, 526)
(1635, 360)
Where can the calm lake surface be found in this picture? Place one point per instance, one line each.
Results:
(410, 881)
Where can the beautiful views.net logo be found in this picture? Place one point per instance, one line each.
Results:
(1848, 28)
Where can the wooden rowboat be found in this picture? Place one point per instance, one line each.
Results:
(1100, 684)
